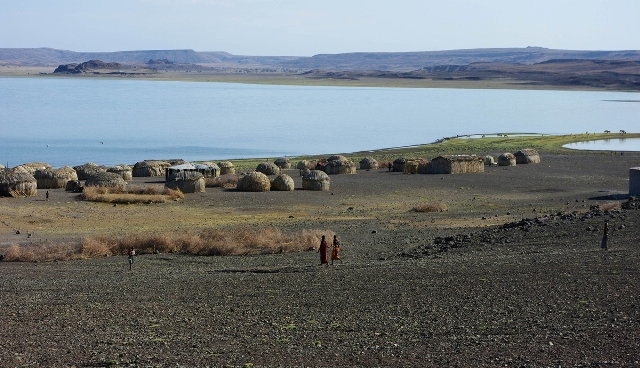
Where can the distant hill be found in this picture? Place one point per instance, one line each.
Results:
(386, 61)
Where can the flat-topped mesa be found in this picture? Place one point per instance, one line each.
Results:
(87, 67)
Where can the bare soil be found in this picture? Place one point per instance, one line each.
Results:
(512, 274)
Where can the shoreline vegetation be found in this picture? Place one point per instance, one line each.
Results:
(203, 240)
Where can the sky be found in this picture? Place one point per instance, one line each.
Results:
(310, 27)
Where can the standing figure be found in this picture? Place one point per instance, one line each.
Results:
(323, 252)
(131, 253)
(389, 165)
(605, 237)
(335, 252)
(47, 195)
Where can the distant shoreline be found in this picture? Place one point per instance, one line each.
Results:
(291, 79)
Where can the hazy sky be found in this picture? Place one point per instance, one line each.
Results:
(309, 27)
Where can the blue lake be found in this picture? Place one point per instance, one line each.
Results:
(71, 121)
(614, 144)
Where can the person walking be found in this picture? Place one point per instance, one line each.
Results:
(323, 251)
(335, 252)
(47, 195)
(131, 253)
(605, 237)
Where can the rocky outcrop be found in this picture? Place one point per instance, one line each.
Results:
(86, 67)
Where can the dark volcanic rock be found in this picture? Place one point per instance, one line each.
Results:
(85, 67)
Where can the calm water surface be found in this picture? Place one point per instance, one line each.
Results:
(615, 144)
(69, 121)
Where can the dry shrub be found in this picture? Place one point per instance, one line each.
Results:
(430, 207)
(610, 206)
(227, 181)
(40, 252)
(208, 242)
(136, 195)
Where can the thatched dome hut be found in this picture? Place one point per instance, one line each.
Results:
(268, 168)
(282, 182)
(1, 166)
(283, 163)
(123, 170)
(32, 167)
(55, 178)
(73, 186)
(400, 163)
(340, 167)
(107, 180)
(368, 163)
(17, 184)
(304, 164)
(212, 169)
(254, 182)
(88, 169)
(150, 168)
(186, 181)
(316, 180)
(489, 160)
(226, 167)
(456, 164)
(507, 159)
(527, 156)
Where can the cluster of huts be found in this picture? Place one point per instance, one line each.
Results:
(455, 164)
(26, 179)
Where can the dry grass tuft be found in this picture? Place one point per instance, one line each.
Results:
(228, 181)
(430, 207)
(138, 194)
(208, 242)
(610, 206)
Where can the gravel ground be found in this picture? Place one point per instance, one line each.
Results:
(511, 275)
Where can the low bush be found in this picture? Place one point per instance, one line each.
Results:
(207, 242)
(228, 181)
(139, 194)
(430, 207)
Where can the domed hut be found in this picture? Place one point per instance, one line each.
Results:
(17, 184)
(268, 168)
(456, 164)
(32, 167)
(507, 159)
(55, 178)
(282, 182)
(1, 167)
(88, 169)
(123, 170)
(368, 163)
(186, 182)
(400, 163)
(211, 169)
(527, 156)
(489, 160)
(338, 164)
(316, 180)
(150, 168)
(106, 180)
(283, 163)
(254, 182)
(226, 167)
(304, 164)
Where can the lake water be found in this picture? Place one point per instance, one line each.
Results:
(71, 121)
(614, 144)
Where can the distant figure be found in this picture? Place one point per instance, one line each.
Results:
(389, 165)
(1, 257)
(323, 252)
(605, 237)
(47, 195)
(335, 252)
(131, 253)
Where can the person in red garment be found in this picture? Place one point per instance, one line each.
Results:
(324, 247)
